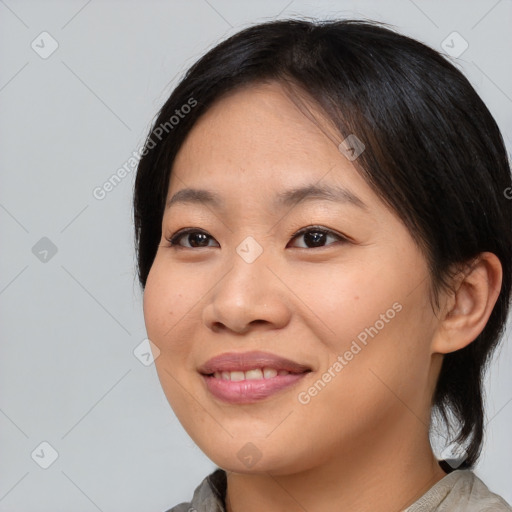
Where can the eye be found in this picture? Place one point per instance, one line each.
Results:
(314, 236)
(194, 237)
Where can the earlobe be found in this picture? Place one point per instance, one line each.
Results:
(469, 307)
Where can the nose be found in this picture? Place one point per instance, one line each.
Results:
(248, 297)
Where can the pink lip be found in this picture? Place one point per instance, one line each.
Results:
(242, 361)
(249, 390)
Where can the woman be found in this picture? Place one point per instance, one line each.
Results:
(324, 243)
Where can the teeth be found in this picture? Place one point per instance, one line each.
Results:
(236, 375)
(268, 373)
(253, 374)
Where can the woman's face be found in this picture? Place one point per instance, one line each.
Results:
(349, 303)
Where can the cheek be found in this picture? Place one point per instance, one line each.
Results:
(377, 321)
(169, 297)
(349, 300)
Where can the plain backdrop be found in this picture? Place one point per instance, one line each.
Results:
(80, 83)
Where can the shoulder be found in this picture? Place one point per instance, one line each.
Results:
(208, 496)
(460, 491)
(485, 499)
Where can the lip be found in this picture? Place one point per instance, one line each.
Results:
(250, 390)
(243, 361)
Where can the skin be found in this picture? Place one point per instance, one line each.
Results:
(362, 442)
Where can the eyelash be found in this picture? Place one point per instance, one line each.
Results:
(174, 239)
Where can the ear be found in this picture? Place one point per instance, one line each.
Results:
(468, 306)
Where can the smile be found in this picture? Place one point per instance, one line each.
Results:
(251, 386)
(254, 374)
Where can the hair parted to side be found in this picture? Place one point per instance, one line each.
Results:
(433, 153)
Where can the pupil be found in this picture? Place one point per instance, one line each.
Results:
(200, 238)
(315, 238)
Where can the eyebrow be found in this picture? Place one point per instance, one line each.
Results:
(283, 199)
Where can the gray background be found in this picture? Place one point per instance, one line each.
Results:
(71, 320)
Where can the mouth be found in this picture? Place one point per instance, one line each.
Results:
(249, 377)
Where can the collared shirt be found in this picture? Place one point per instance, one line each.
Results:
(459, 491)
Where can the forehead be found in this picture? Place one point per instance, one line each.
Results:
(259, 136)
(255, 123)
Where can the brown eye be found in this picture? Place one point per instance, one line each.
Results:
(193, 237)
(316, 237)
